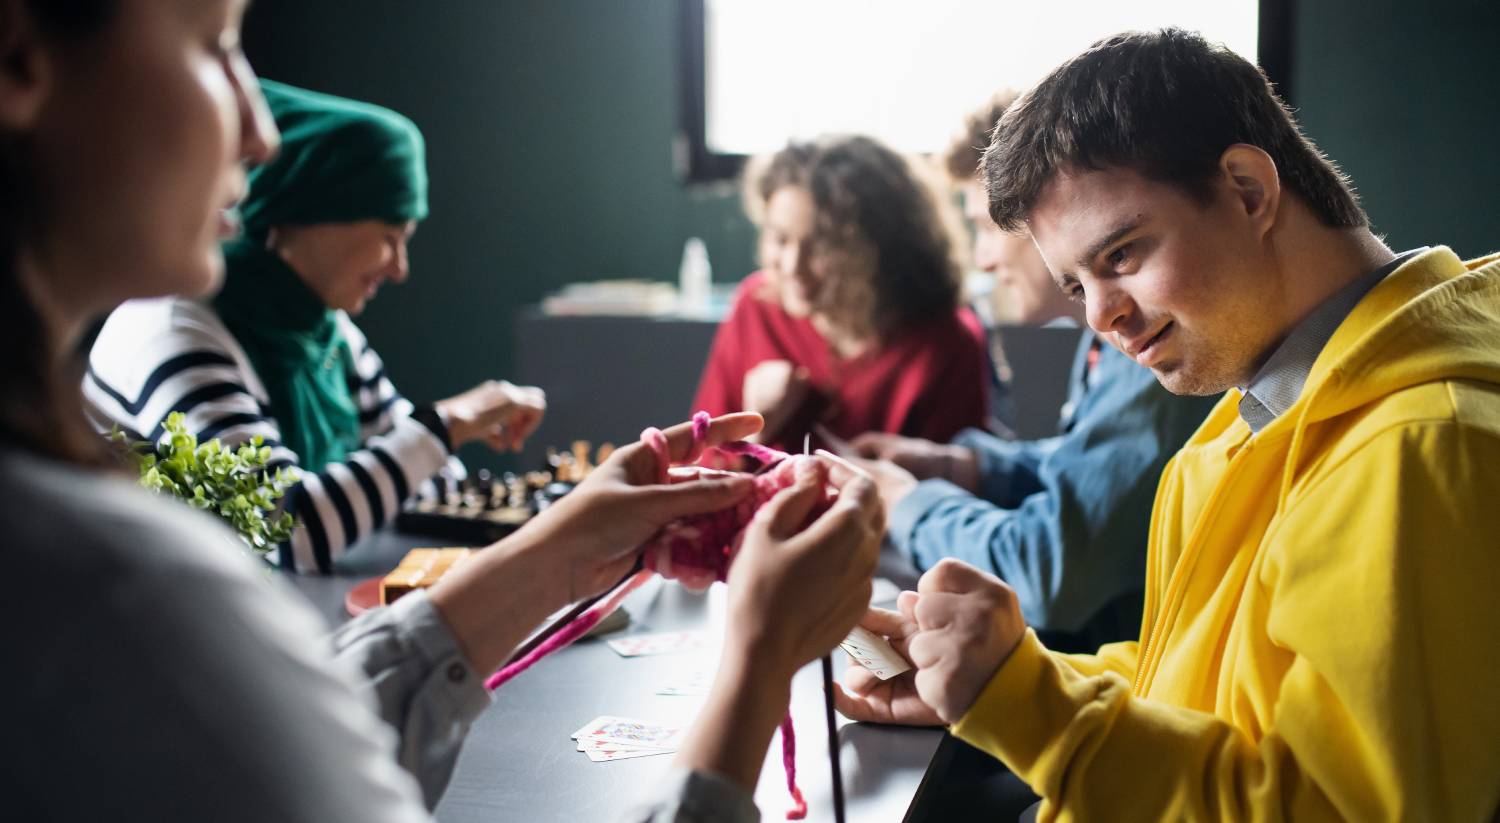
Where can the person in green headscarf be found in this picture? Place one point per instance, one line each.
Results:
(275, 354)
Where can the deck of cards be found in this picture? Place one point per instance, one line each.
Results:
(875, 653)
(607, 738)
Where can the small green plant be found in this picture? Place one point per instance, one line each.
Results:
(231, 483)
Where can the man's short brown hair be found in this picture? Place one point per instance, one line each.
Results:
(963, 155)
(1165, 104)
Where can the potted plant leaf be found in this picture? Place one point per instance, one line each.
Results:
(232, 483)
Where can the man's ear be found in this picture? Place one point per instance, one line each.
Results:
(1252, 179)
(25, 67)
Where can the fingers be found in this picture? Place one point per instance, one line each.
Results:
(840, 470)
(906, 603)
(860, 707)
(853, 706)
(722, 429)
(849, 527)
(954, 576)
(860, 680)
(786, 512)
(883, 622)
(708, 494)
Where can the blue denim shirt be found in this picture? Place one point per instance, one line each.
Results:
(1063, 520)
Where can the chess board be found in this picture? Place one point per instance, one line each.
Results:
(484, 508)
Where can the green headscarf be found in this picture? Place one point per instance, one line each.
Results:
(340, 161)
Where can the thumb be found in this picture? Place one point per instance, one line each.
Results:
(883, 622)
(701, 496)
(785, 514)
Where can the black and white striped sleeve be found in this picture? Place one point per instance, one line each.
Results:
(380, 406)
(154, 357)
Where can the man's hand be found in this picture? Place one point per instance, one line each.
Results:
(863, 696)
(498, 412)
(968, 623)
(923, 458)
(957, 630)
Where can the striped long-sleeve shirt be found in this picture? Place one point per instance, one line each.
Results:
(154, 357)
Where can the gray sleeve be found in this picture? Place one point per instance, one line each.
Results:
(420, 682)
(179, 682)
(687, 796)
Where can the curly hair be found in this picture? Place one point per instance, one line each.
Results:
(1165, 103)
(868, 199)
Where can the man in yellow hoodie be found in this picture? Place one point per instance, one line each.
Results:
(1320, 624)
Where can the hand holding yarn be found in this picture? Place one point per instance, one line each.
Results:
(819, 571)
(602, 524)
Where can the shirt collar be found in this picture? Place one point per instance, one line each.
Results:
(1280, 381)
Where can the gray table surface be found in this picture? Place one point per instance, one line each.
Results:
(520, 765)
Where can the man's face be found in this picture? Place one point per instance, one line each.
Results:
(1183, 288)
(1024, 291)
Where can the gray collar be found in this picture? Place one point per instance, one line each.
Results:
(1279, 382)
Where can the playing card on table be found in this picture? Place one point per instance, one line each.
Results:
(665, 643)
(627, 732)
(875, 653)
(600, 751)
(606, 755)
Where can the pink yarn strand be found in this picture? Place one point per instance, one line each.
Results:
(569, 633)
(789, 762)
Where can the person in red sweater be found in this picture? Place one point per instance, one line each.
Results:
(854, 321)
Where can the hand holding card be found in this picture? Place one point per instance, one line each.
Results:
(875, 653)
(865, 695)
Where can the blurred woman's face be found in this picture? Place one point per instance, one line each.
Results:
(789, 250)
(140, 149)
(802, 263)
(345, 263)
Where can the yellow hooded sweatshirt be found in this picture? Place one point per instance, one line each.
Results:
(1322, 599)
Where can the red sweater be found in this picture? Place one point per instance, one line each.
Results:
(928, 382)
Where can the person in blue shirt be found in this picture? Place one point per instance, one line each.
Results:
(1064, 519)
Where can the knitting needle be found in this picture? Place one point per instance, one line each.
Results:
(583, 605)
(833, 729)
(833, 740)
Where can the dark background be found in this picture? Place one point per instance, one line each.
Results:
(549, 128)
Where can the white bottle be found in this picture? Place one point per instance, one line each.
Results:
(695, 278)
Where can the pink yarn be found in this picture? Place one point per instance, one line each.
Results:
(696, 551)
(565, 636)
(789, 762)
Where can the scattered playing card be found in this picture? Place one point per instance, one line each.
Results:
(665, 643)
(606, 755)
(875, 653)
(628, 732)
(692, 685)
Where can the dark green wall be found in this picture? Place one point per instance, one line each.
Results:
(1405, 96)
(549, 126)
